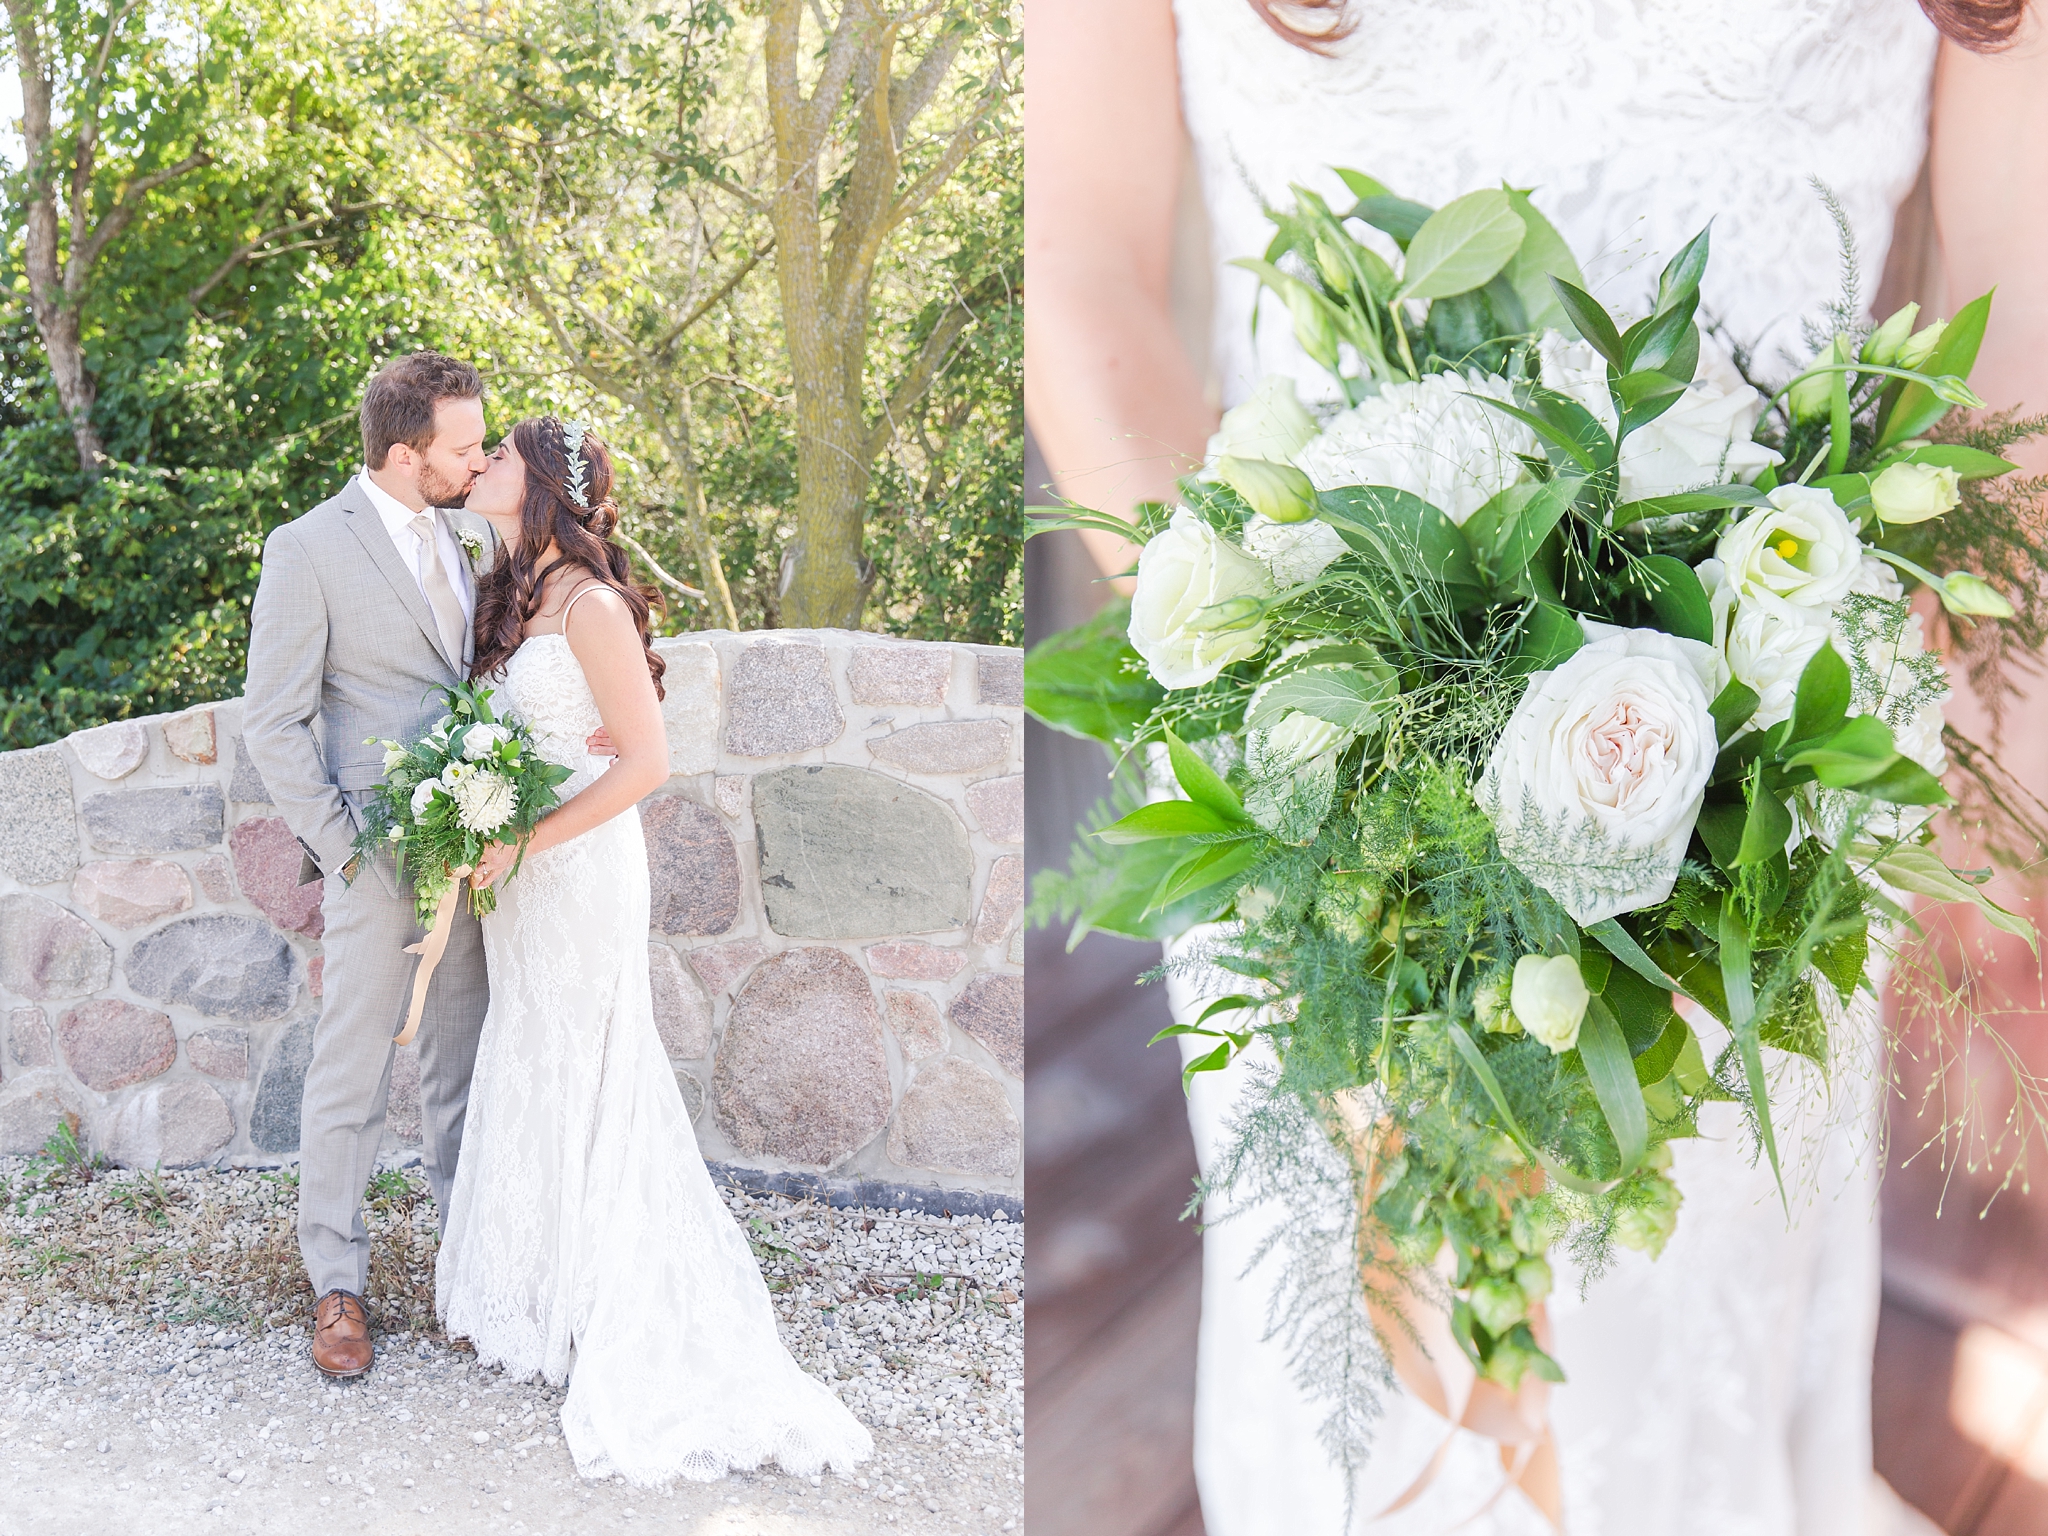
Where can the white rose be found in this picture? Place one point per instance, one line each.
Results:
(1801, 548)
(1549, 996)
(1192, 614)
(1767, 641)
(482, 740)
(1914, 493)
(1295, 740)
(1273, 424)
(422, 793)
(1594, 786)
(1295, 552)
(1703, 439)
(1432, 438)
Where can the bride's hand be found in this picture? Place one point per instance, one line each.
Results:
(497, 858)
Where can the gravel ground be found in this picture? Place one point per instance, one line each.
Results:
(154, 1374)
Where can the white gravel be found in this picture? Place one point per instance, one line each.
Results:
(140, 1392)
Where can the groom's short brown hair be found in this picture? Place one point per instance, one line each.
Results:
(398, 407)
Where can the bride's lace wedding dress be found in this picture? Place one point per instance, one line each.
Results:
(1725, 1387)
(584, 1238)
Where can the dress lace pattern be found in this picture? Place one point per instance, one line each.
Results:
(1725, 1387)
(584, 1239)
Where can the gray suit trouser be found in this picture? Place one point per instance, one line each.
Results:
(366, 987)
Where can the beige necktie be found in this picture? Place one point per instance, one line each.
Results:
(440, 595)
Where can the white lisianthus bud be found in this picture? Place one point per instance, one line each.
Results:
(1973, 597)
(394, 754)
(1272, 424)
(1197, 607)
(1490, 1005)
(1549, 996)
(1296, 739)
(1914, 493)
(1885, 342)
(396, 834)
(1276, 491)
(1920, 345)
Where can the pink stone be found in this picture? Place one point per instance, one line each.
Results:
(28, 1039)
(111, 751)
(997, 806)
(946, 746)
(908, 960)
(315, 969)
(915, 1020)
(178, 1124)
(267, 868)
(126, 893)
(214, 880)
(992, 1010)
(900, 674)
(1001, 902)
(220, 1053)
(722, 965)
(110, 1043)
(190, 736)
(682, 1014)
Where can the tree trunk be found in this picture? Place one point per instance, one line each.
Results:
(825, 576)
(57, 324)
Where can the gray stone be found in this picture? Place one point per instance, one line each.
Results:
(997, 806)
(909, 960)
(109, 1043)
(38, 826)
(31, 1109)
(780, 699)
(246, 787)
(955, 1118)
(992, 1010)
(191, 736)
(692, 1092)
(801, 1075)
(682, 1013)
(111, 751)
(402, 1108)
(720, 965)
(274, 1123)
(126, 893)
(1002, 901)
(730, 791)
(915, 1021)
(692, 865)
(179, 1125)
(220, 964)
(47, 952)
(222, 1053)
(907, 673)
(212, 873)
(945, 746)
(154, 820)
(851, 854)
(28, 1039)
(999, 677)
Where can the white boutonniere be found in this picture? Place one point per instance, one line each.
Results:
(472, 543)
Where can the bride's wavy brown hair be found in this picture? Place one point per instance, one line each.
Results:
(1982, 26)
(511, 593)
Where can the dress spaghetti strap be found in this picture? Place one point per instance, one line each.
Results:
(577, 596)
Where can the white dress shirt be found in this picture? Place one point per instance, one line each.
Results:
(398, 518)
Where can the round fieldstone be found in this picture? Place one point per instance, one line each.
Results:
(801, 1074)
(730, 791)
(692, 865)
(909, 673)
(851, 854)
(126, 893)
(111, 751)
(267, 856)
(955, 1118)
(190, 736)
(908, 960)
(916, 1023)
(991, 1009)
(245, 785)
(945, 746)
(780, 698)
(402, 1107)
(28, 1039)
(689, 706)
(274, 1122)
(154, 820)
(109, 1043)
(31, 1109)
(211, 871)
(220, 964)
(997, 806)
(999, 676)
(682, 1013)
(692, 1092)
(1002, 901)
(177, 1125)
(222, 1053)
(720, 965)
(38, 824)
(47, 952)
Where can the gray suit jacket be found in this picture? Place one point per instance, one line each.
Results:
(342, 649)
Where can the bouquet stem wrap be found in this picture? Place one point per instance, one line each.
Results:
(430, 950)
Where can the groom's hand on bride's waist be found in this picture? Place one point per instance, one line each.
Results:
(600, 744)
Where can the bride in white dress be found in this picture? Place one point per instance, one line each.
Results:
(584, 1240)
(1724, 1388)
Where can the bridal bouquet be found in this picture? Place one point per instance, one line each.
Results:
(471, 781)
(1554, 681)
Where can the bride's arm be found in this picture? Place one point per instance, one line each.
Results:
(606, 642)
(1989, 177)
(1110, 392)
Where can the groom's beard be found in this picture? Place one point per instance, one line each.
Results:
(437, 492)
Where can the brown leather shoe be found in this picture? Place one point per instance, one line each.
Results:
(341, 1335)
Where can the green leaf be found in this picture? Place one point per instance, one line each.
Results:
(1711, 499)
(1542, 256)
(1655, 1064)
(1201, 783)
(1680, 279)
(1678, 599)
(1842, 957)
(1562, 443)
(1839, 442)
(1858, 751)
(1764, 830)
(1590, 321)
(1621, 944)
(1165, 818)
(1668, 341)
(1612, 1072)
(1360, 184)
(1475, 1059)
(1849, 491)
(1404, 532)
(1641, 397)
(1396, 215)
(1212, 1061)
(1731, 709)
(1919, 407)
(1550, 637)
(1968, 463)
(1461, 246)
(1905, 782)
(1720, 827)
(1822, 702)
(1923, 872)
(1126, 907)
(1506, 533)
(1237, 1002)
(1204, 870)
(1735, 979)
(1089, 682)
(1350, 697)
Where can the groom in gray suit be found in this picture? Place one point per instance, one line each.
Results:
(362, 616)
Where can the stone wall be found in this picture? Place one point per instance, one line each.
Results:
(835, 953)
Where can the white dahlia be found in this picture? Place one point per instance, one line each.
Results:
(1434, 438)
(484, 801)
